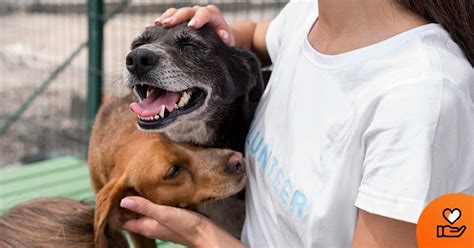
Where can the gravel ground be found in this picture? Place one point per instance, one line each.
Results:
(31, 46)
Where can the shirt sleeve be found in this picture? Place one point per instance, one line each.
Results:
(276, 29)
(419, 145)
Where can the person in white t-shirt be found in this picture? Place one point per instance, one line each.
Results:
(367, 117)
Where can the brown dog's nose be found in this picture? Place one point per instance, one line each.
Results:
(235, 165)
(140, 61)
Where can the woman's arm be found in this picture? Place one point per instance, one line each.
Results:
(252, 35)
(377, 231)
(176, 225)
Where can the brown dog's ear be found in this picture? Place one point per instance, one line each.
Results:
(108, 217)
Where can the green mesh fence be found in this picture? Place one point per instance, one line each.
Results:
(40, 54)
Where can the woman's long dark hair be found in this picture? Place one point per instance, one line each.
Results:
(52, 222)
(455, 16)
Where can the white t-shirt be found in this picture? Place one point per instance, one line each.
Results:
(385, 128)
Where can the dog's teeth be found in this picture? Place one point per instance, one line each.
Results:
(184, 99)
(156, 117)
(137, 94)
(162, 112)
(175, 106)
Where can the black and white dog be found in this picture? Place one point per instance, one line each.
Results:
(192, 86)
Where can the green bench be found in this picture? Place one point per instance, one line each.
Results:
(59, 177)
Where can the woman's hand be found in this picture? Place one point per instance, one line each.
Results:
(197, 16)
(176, 225)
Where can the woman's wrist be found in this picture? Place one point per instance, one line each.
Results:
(204, 235)
(243, 33)
(211, 235)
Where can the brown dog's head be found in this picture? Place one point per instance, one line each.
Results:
(184, 77)
(166, 173)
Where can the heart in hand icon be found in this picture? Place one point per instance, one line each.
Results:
(451, 215)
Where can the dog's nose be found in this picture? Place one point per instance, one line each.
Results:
(141, 61)
(235, 165)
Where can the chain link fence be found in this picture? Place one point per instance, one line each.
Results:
(37, 36)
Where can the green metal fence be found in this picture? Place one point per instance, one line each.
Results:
(52, 76)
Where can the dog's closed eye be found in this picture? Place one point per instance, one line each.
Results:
(173, 172)
(187, 45)
(185, 41)
(140, 41)
(146, 38)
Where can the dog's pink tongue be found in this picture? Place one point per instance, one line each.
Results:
(151, 106)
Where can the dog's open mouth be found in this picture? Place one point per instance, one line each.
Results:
(158, 108)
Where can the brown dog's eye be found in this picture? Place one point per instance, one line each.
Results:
(173, 172)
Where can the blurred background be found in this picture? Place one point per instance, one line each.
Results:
(58, 58)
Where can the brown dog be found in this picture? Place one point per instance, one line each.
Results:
(124, 161)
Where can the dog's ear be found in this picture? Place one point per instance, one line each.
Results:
(250, 73)
(108, 217)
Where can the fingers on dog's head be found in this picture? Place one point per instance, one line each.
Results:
(145, 226)
(147, 208)
(168, 13)
(137, 204)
